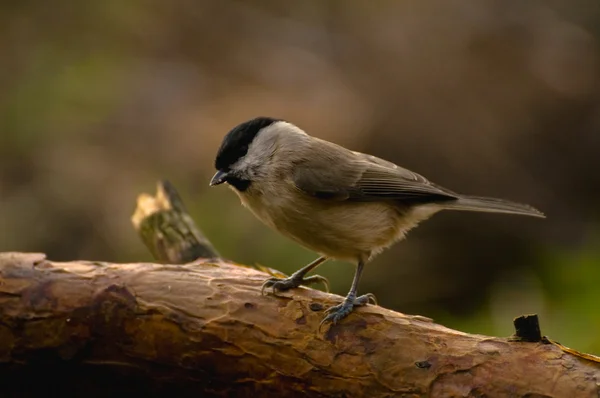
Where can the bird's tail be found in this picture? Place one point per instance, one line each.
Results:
(492, 205)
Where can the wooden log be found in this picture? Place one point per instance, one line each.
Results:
(203, 329)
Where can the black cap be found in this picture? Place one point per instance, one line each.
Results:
(236, 142)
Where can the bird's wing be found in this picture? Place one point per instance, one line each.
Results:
(354, 176)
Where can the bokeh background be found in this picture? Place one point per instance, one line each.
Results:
(100, 99)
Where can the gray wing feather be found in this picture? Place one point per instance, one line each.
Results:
(354, 176)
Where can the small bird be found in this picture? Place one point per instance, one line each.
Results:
(340, 203)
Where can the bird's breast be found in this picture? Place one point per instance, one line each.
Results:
(337, 229)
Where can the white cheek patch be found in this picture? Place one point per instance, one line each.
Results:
(259, 152)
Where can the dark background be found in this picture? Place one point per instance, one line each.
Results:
(99, 100)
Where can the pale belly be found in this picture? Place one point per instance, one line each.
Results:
(341, 230)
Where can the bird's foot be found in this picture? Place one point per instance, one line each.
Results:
(340, 311)
(283, 284)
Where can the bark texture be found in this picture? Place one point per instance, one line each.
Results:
(95, 329)
(203, 329)
(166, 228)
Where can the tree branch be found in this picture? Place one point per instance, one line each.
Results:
(203, 329)
(166, 228)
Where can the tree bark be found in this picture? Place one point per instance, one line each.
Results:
(166, 228)
(203, 329)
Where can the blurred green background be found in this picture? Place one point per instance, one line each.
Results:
(99, 100)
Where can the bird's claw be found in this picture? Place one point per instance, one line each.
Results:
(283, 284)
(340, 311)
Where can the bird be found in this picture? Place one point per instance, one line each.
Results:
(342, 204)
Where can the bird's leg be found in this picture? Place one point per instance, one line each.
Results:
(339, 312)
(297, 278)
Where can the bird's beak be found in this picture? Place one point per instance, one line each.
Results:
(219, 178)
